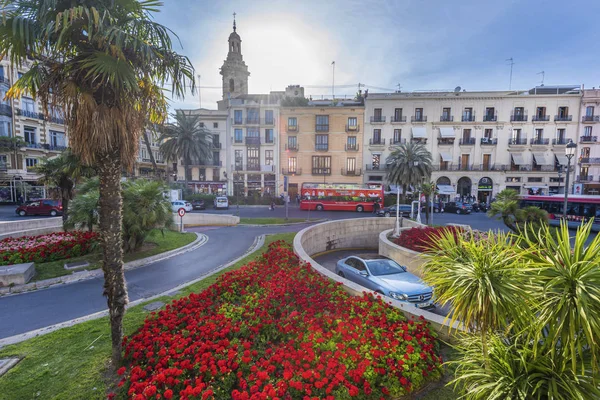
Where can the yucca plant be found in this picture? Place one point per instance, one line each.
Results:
(84, 207)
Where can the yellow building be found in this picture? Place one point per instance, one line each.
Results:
(321, 143)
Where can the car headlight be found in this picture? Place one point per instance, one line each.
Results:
(399, 296)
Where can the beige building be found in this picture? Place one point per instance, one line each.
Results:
(481, 142)
(44, 136)
(588, 158)
(143, 163)
(321, 143)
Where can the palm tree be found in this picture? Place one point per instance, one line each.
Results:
(408, 165)
(506, 207)
(104, 63)
(186, 140)
(84, 207)
(61, 173)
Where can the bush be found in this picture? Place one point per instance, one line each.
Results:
(277, 329)
(421, 239)
(45, 248)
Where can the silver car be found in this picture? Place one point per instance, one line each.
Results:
(387, 277)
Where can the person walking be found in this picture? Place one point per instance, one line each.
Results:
(375, 206)
(272, 205)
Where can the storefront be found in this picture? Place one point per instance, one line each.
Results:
(217, 188)
(484, 190)
(536, 190)
(463, 188)
(445, 190)
(15, 190)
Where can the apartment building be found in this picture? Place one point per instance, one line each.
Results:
(143, 164)
(42, 136)
(321, 142)
(587, 180)
(481, 142)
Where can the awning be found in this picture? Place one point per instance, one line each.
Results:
(445, 189)
(446, 157)
(447, 132)
(518, 158)
(541, 159)
(419, 132)
(562, 159)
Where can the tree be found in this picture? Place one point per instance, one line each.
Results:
(185, 139)
(408, 165)
(61, 173)
(84, 207)
(428, 189)
(506, 207)
(104, 63)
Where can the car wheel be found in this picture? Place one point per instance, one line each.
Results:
(360, 208)
(341, 274)
(22, 213)
(319, 207)
(458, 211)
(53, 213)
(387, 214)
(379, 292)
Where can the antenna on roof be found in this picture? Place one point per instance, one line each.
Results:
(543, 76)
(399, 87)
(457, 89)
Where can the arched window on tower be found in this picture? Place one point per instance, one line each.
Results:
(231, 86)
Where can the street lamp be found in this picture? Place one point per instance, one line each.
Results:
(569, 153)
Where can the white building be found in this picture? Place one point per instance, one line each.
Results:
(588, 161)
(481, 142)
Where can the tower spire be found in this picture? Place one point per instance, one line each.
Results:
(234, 22)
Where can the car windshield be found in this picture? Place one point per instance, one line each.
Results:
(384, 267)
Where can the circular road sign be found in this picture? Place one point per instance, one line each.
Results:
(181, 212)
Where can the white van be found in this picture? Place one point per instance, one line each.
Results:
(221, 202)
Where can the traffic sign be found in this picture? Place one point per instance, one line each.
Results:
(181, 212)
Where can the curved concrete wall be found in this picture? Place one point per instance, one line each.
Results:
(30, 227)
(200, 219)
(412, 260)
(357, 233)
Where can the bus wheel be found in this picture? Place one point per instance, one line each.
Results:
(319, 207)
(360, 208)
(387, 214)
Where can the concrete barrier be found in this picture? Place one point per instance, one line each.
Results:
(199, 219)
(30, 227)
(412, 260)
(359, 233)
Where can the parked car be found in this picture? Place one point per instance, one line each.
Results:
(480, 207)
(40, 207)
(221, 202)
(198, 205)
(390, 211)
(387, 277)
(179, 204)
(436, 207)
(458, 207)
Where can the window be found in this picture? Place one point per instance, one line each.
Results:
(585, 152)
(446, 113)
(397, 135)
(269, 136)
(322, 142)
(5, 129)
(376, 136)
(516, 135)
(3, 95)
(239, 160)
(292, 142)
(468, 114)
(589, 111)
(321, 165)
(540, 112)
(563, 112)
(376, 161)
(561, 135)
(239, 135)
(28, 104)
(57, 139)
(31, 162)
(488, 133)
(351, 143)
(253, 116)
(253, 158)
(464, 161)
(252, 132)
(466, 135)
(215, 158)
(215, 125)
(1, 73)
(3, 160)
(539, 135)
(398, 114)
(351, 164)
(269, 157)
(237, 117)
(269, 117)
(490, 113)
(29, 134)
(535, 179)
(519, 112)
(201, 124)
(143, 153)
(418, 114)
(352, 123)
(216, 141)
(513, 179)
(292, 122)
(377, 115)
(19, 75)
(587, 131)
(322, 123)
(292, 164)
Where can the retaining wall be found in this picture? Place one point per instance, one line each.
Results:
(30, 227)
(199, 219)
(412, 260)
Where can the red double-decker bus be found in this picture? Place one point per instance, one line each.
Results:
(579, 207)
(340, 196)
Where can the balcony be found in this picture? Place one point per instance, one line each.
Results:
(56, 120)
(539, 142)
(322, 127)
(563, 118)
(517, 142)
(352, 128)
(543, 168)
(489, 141)
(490, 118)
(252, 120)
(296, 171)
(590, 118)
(468, 118)
(321, 171)
(467, 141)
(446, 118)
(216, 145)
(419, 140)
(202, 163)
(238, 122)
(270, 121)
(418, 118)
(292, 147)
(354, 172)
(4, 79)
(588, 139)
(291, 128)
(585, 178)
(540, 118)
(5, 109)
(520, 168)
(398, 120)
(465, 167)
(376, 142)
(518, 118)
(30, 114)
(33, 145)
(397, 142)
(376, 168)
(352, 147)
(322, 147)
(559, 142)
(589, 160)
(253, 140)
(54, 148)
(379, 119)
(3, 166)
(446, 141)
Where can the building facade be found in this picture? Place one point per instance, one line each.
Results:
(481, 142)
(587, 180)
(143, 166)
(23, 122)
(321, 143)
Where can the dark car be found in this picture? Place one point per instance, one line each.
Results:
(40, 207)
(198, 205)
(390, 211)
(436, 208)
(480, 207)
(458, 207)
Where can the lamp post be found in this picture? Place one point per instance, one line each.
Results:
(397, 230)
(569, 153)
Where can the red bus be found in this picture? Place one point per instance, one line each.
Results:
(579, 207)
(340, 196)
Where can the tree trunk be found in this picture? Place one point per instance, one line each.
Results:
(186, 167)
(149, 148)
(115, 290)
(65, 214)
(427, 209)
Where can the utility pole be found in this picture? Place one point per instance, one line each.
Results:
(199, 91)
(511, 68)
(399, 87)
(333, 80)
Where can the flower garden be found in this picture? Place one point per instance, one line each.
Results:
(45, 248)
(276, 329)
(422, 239)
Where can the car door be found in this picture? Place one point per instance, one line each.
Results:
(363, 275)
(45, 207)
(33, 208)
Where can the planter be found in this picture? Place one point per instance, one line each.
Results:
(412, 260)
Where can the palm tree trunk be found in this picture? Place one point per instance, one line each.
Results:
(65, 213)
(149, 148)
(186, 166)
(115, 290)
(427, 209)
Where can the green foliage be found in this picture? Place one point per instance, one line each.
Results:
(83, 212)
(506, 208)
(294, 102)
(408, 165)
(11, 143)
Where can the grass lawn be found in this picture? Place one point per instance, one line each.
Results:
(158, 244)
(272, 221)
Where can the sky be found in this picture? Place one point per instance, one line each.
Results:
(418, 44)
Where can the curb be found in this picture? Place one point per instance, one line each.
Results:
(290, 224)
(259, 241)
(201, 239)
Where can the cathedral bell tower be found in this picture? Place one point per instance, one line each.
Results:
(234, 70)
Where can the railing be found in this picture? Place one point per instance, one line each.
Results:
(483, 167)
(376, 142)
(540, 118)
(513, 142)
(5, 109)
(522, 168)
(468, 118)
(354, 172)
(351, 147)
(539, 141)
(467, 141)
(518, 118)
(397, 142)
(419, 140)
(252, 167)
(322, 127)
(422, 118)
(252, 140)
(398, 120)
(269, 121)
(291, 128)
(585, 178)
(442, 167)
(352, 128)
(270, 140)
(378, 119)
(558, 142)
(3, 166)
(321, 171)
(446, 141)
(565, 118)
(489, 141)
(292, 147)
(588, 139)
(321, 147)
(543, 168)
(216, 145)
(589, 160)
(56, 120)
(238, 122)
(380, 168)
(490, 118)
(590, 118)
(29, 114)
(33, 145)
(54, 148)
(297, 171)
(253, 120)
(206, 163)
(446, 118)
(466, 167)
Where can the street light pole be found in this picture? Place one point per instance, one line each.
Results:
(569, 153)
(397, 230)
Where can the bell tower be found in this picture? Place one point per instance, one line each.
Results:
(234, 70)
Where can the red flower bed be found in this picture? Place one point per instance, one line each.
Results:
(276, 329)
(44, 248)
(421, 239)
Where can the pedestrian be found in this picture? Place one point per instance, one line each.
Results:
(272, 205)
(298, 198)
(375, 206)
